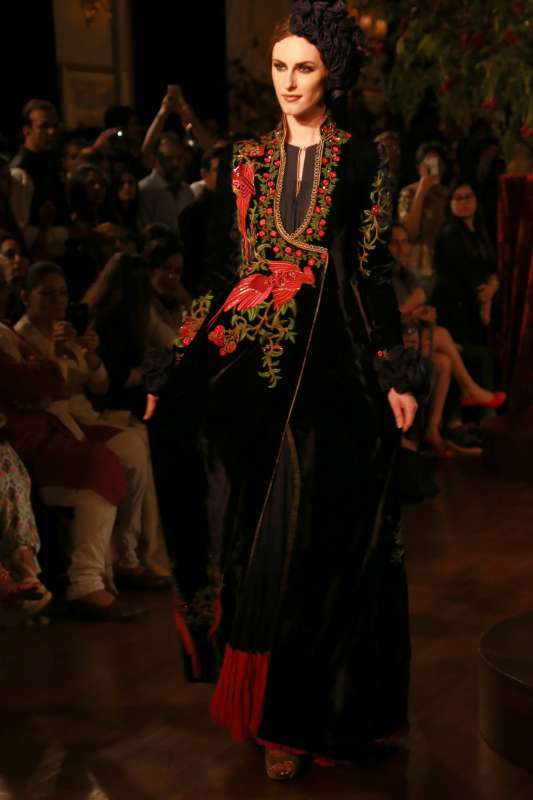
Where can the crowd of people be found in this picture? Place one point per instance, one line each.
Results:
(105, 240)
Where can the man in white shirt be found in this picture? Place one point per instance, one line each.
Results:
(164, 194)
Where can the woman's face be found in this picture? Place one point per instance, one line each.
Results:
(463, 202)
(299, 77)
(95, 188)
(47, 302)
(127, 188)
(166, 279)
(14, 263)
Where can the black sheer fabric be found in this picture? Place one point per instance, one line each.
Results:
(295, 200)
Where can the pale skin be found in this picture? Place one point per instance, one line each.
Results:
(299, 78)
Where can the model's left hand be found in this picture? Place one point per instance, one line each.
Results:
(404, 408)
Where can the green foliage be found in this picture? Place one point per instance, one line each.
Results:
(476, 57)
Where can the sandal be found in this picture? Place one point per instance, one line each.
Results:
(281, 766)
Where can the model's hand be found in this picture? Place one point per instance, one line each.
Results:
(90, 341)
(404, 408)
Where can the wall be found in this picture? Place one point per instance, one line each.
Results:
(94, 61)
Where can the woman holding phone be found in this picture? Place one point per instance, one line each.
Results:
(422, 206)
(46, 329)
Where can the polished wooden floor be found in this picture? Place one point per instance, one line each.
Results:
(94, 711)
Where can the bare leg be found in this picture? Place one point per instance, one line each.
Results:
(444, 372)
(444, 344)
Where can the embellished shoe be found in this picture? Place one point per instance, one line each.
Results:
(281, 766)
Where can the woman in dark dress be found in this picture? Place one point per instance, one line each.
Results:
(467, 281)
(286, 386)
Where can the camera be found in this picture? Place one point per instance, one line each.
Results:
(119, 133)
(78, 316)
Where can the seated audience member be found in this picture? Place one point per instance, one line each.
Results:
(19, 539)
(45, 328)
(40, 159)
(14, 267)
(164, 194)
(124, 201)
(68, 469)
(467, 281)
(445, 354)
(422, 206)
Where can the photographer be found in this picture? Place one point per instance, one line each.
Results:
(422, 205)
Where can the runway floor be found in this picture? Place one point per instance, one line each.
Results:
(101, 711)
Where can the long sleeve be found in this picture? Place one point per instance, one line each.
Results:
(23, 383)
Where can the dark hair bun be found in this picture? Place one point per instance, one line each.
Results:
(327, 25)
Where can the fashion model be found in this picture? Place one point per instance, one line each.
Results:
(294, 387)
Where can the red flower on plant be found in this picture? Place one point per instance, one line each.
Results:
(490, 104)
(447, 84)
(510, 37)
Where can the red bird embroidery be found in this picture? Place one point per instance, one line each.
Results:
(284, 281)
(243, 186)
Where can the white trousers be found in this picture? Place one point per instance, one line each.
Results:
(91, 566)
(138, 533)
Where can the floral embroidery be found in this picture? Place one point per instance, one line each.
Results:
(194, 320)
(276, 264)
(377, 219)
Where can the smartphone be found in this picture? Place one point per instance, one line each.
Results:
(78, 316)
(432, 164)
(175, 90)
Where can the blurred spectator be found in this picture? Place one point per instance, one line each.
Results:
(87, 192)
(466, 267)
(39, 158)
(422, 205)
(71, 155)
(195, 221)
(164, 193)
(208, 174)
(14, 267)
(124, 200)
(123, 146)
(119, 303)
(170, 299)
(67, 468)
(446, 356)
(47, 330)
(8, 220)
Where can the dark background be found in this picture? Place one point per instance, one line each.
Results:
(173, 42)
